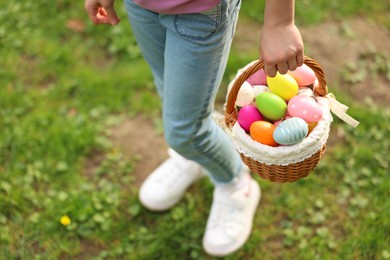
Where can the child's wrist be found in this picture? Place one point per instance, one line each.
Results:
(275, 25)
(279, 13)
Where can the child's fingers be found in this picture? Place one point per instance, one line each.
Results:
(292, 64)
(100, 15)
(103, 19)
(112, 16)
(102, 11)
(299, 59)
(270, 70)
(92, 12)
(282, 67)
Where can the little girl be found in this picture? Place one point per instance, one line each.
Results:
(187, 43)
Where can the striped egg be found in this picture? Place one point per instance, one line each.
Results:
(291, 131)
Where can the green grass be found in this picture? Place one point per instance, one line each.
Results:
(308, 12)
(62, 89)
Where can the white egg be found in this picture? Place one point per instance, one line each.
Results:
(258, 89)
(245, 95)
(306, 91)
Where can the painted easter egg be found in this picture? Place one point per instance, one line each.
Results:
(258, 78)
(276, 123)
(284, 86)
(306, 91)
(258, 89)
(245, 95)
(262, 132)
(303, 75)
(316, 84)
(305, 107)
(247, 115)
(271, 105)
(290, 131)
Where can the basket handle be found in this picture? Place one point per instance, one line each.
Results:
(231, 112)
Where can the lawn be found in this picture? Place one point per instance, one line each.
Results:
(68, 190)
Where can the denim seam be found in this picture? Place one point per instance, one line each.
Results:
(236, 15)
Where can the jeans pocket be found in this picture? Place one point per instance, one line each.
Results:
(198, 26)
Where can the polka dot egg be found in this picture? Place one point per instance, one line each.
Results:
(305, 107)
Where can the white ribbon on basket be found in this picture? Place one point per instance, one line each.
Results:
(340, 110)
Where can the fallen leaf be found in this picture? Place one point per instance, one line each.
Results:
(75, 25)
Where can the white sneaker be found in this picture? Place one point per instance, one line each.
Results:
(231, 216)
(166, 185)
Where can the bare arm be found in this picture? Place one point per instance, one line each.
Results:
(281, 45)
(101, 11)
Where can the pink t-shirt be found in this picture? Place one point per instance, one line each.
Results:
(177, 6)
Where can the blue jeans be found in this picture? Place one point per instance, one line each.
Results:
(187, 54)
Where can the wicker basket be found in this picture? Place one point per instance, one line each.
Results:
(280, 171)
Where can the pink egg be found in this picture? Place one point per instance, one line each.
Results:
(316, 84)
(304, 75)
(258, 78)
(287, 113)
(276, 123)
(305, 107)
(247, 115)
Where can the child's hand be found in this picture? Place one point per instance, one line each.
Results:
(281, 48)
(101, 11)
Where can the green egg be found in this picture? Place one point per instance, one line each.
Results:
(271, 105)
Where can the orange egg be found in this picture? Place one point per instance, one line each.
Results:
(311, 126)
(262, 131)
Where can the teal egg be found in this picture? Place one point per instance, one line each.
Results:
(291, 131)
(271, 105)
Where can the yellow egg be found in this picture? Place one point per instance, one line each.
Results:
(284, 86)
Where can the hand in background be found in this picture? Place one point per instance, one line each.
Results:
(101, 11)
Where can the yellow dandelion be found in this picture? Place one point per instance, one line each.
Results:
(65, 220)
